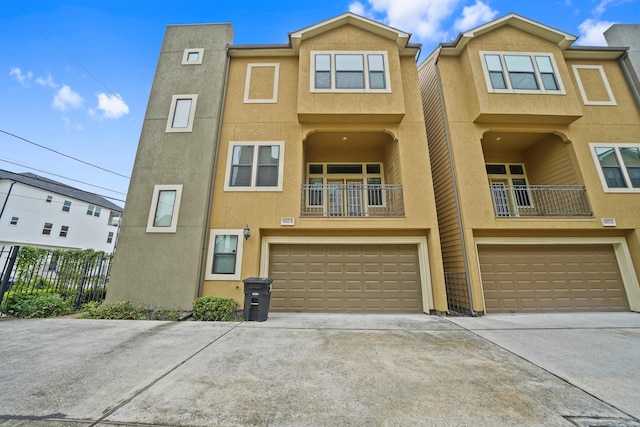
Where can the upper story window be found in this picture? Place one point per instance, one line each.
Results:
(64, 230)
(618, 166)
(192, 56)
(182, 113)
(110, 237)
(165, 205)
(515, 72)
(254, 166)
(66, 206)
(49, 199)
(46, 230)
(93, 210)
(350, 72)
(14, 220)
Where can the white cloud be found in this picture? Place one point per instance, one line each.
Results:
(20, 77)
(592, 32)
(422, 18)
(473, 16)
(357, 8)
(601, 8)
(111, 106)
(65, 98)
(48, 82)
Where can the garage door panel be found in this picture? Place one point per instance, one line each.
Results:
(345, 278)
(545, 278)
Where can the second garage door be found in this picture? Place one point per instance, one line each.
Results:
(325, 278)
(545, 278)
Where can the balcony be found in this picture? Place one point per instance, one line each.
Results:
(539, 200)
(352, 200)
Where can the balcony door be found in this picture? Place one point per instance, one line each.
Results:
(509, 188)
(345, 197)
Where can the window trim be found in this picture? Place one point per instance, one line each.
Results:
(49, 199)
(172, 110)
(14, 221)
(154, 203)
(247, 83)
(537, 73)
(605, 81)
(210, 253)
(110, 237)
(366, 72)
(254, 166)
(625, 174)
(66, 206)
(185, 56)
(64, 231)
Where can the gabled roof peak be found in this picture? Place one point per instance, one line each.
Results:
(350, 18)
(561, 38)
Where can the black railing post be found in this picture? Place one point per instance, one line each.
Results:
(6, 274)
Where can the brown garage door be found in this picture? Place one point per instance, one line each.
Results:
(541, 278)
(326, 278)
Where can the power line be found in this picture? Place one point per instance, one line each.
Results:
(62, 154)
(70, 179)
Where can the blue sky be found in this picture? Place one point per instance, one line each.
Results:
(75, 75)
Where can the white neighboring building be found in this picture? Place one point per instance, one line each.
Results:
(40, 212)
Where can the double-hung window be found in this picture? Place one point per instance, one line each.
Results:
(521, 72)
(165, 205)
(66, 206)
(224, 258)
(349, 72)
(255, 166)
(93, 210)
(618, 166)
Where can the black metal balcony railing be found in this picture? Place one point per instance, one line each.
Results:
(352, 200)
(539, 200)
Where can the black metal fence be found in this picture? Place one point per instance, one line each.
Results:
(78, 275)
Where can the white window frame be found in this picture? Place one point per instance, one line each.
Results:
(247, 83)
(14, 221)
(187, 52)
(49, 199)
(210, 253)
(63, 233)
(154, 203)
(605, 81)
(66, 206)
(625, 174)
(172, 111)
(254, 166)
(110, 237)
(505, 71)
(333, 89)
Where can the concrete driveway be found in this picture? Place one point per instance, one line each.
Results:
(321, 370)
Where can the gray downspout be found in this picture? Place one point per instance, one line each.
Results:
(455, 193)
(203, 258)
(633, 83)
(4, 205)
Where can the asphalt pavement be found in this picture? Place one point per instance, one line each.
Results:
(323, 370)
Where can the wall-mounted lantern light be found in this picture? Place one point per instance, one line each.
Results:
(246, 231)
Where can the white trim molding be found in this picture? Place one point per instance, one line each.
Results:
(188, 126)
(605, 82)
(209, 274)
(189, 53)
(247, 84)
(171, 228)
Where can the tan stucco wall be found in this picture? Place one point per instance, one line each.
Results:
(562, 157)
(404, 154)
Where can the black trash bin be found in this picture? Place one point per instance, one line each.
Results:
(257, 295)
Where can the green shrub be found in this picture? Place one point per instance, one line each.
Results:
(122, 310)
(37, 305)
(215, 308)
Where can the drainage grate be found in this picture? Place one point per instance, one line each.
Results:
(604, 422)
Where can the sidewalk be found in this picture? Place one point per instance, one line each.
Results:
(293, 370)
